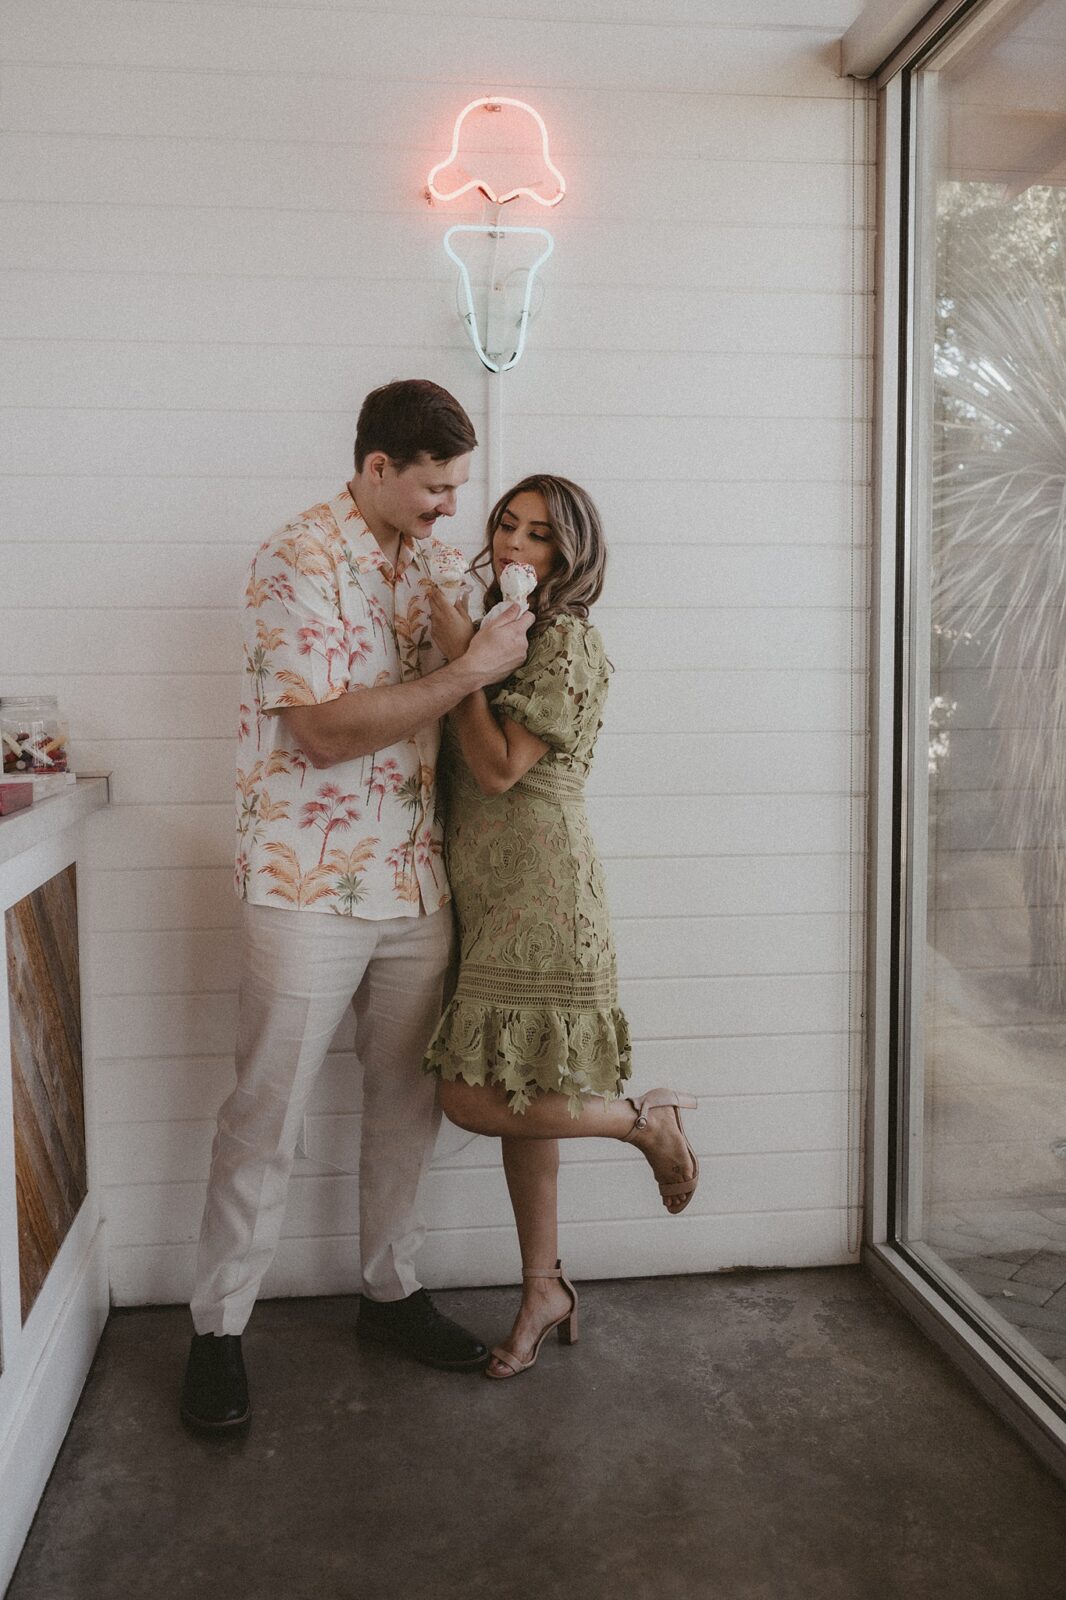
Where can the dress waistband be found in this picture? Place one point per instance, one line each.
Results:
(552, 784)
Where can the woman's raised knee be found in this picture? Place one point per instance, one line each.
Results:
(456, 1106)
(470, 1107)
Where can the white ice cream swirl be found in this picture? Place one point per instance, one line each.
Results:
(517, 580)
(447, 568)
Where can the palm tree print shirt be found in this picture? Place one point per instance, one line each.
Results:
(326, 615)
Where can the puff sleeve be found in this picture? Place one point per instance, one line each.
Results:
(558, 687)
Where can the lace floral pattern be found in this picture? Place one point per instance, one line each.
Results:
(536, 1004)
(528, 1050)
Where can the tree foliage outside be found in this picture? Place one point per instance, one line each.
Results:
(999, 517)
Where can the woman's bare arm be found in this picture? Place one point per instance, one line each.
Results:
(497, 750)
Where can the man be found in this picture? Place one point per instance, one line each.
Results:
(340, 873)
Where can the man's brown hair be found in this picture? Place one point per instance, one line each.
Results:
(411, 416)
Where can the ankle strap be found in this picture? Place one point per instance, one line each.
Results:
(543, 1272)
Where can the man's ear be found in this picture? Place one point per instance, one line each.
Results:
(375, 464)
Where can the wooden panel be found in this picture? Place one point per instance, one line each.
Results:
(205, 961)
(741, 825)
(320, 1204)
(177, 771)
(205, 706)
(210, 442)
(206, 576)
(225, 103)
(130, 305)
(153, 1274)
(130, 1027)
(162, 899)
(322, 244)
(697, 365)
(321, 378)
(46, 1070)
(146, 511)
(785, 1067)
(50, 168)
(377, 46)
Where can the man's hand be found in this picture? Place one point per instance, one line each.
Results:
(450, 625)
(500, 646)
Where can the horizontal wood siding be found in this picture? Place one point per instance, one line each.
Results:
(216, 243)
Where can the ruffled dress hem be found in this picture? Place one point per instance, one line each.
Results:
(529, 1051)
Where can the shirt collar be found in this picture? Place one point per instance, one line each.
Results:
(350, 521)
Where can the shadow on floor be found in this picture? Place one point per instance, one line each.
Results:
(750, 1436)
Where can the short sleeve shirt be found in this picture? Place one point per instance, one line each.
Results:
(325, 614)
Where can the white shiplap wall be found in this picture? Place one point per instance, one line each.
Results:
(215, 244)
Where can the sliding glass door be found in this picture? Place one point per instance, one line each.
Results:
(980, 1172)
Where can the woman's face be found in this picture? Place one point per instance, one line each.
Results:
(525, 534)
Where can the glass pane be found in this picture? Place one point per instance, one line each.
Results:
(988, 1189)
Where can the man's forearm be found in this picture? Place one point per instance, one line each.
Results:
(367, 720)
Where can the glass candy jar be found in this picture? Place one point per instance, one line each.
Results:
(33, 734)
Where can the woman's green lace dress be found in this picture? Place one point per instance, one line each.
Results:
(536, 1004)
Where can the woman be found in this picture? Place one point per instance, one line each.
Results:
(533, 1048)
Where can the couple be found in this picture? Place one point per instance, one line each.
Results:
(354, 655)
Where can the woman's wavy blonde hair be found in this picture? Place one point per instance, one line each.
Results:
(576, 581)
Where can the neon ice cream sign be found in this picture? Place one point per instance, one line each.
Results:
(449, 181)
(460, 187)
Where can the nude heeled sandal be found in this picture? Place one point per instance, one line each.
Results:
(669, 1097)
(566, 1324)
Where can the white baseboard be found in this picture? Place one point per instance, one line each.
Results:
(459, 1258)
(39, 1425)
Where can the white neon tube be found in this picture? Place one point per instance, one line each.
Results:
(470, 315)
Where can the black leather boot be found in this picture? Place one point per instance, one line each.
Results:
(416, 1328)
(214, 1396)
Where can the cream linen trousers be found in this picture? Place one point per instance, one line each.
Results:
(300, 970)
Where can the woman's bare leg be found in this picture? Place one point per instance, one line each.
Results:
(531, 1167)
(483, 1108)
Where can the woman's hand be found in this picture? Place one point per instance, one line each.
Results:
(450, 625)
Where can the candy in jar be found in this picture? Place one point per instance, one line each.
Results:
(33, 735)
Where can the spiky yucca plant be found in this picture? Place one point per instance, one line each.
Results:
(999, 514)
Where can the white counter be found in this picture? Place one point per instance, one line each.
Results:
(53, 1270)
(22, 830)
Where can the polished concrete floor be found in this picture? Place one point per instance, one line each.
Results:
(755, 1436)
